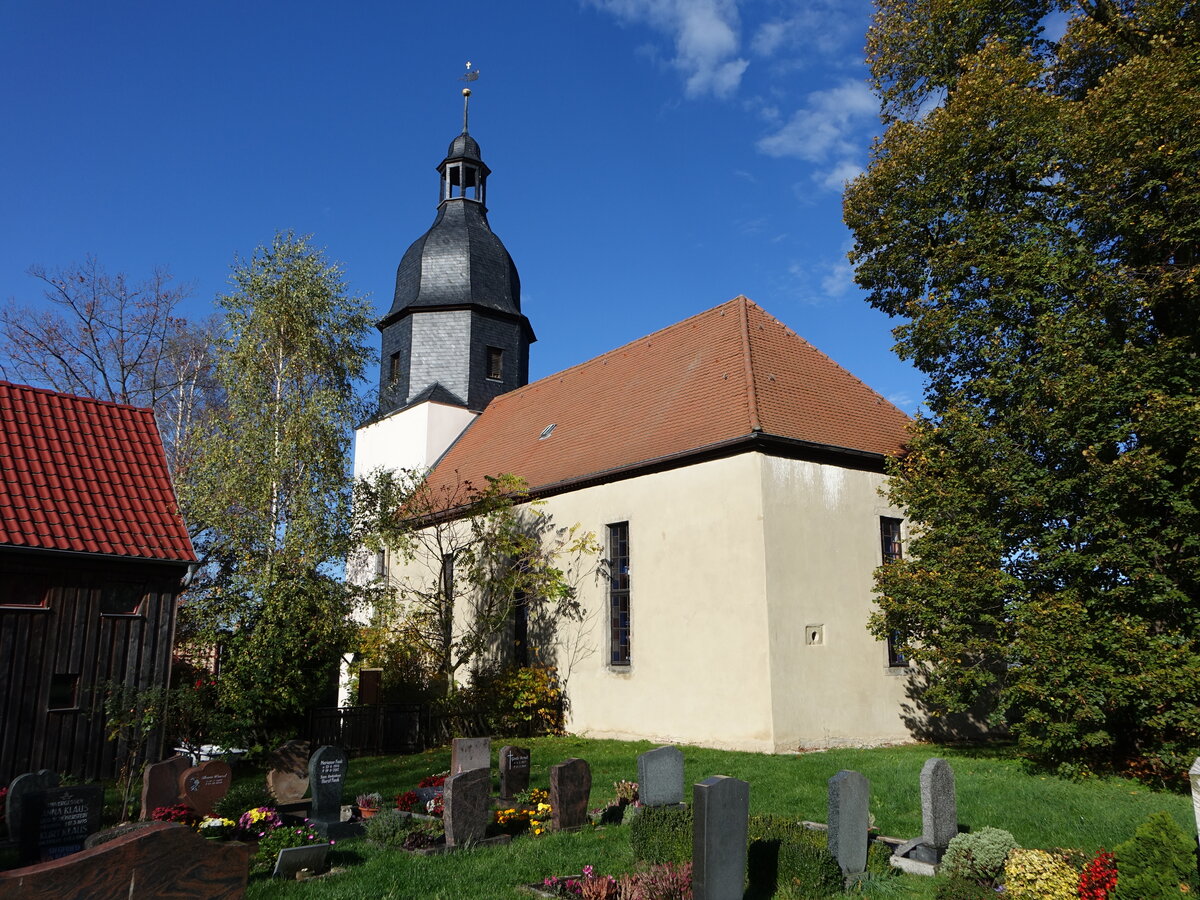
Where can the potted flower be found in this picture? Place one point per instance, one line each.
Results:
(368, 804)
(215, 828)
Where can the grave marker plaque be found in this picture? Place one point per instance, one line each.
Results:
(61, 820)
(470, 753)
(326, 774)
(200, 787)
(570, 785)
(514, 771)
(160, 783)
(660, 776)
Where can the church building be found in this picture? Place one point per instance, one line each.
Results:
(732, 471)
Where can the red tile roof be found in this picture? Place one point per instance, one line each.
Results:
(85, 476)
(730, 374)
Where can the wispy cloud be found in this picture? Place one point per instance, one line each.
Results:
(706, 35)
(828, 131)
(811, 28)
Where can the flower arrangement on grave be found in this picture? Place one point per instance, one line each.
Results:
(434, 781)
(662, 882)
(258, 821)
(513, 821)
(533, 797)
(284, 837)
(1099, 877)
(626, 794)
(215, 827)
(436, 806)
(180, 812)
(410, 802)
(539, 818)
(368, 804)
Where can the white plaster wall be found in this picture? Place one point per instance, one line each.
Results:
(413, 438)
(821, 527)
(700, 669)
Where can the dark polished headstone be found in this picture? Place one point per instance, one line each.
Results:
(21, 791)
(467, 806)
(660, 776)
(60, 820)
(849, 820)
(292, 859)
(326, 775)
(202, 786)
(570, 786)
(470, 753)
(721, 806)
(160, 783)
(514, 771)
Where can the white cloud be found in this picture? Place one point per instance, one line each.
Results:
(812, 28)
(829, 131)
(706, 37)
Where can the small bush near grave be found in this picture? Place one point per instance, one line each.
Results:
(978, 856)
(395, 830)
(282, 838)
(243, 795)
(958, 888)
(1038, 875)
(1157, 862)
(662, 834)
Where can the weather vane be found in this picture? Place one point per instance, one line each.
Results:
(466, 92)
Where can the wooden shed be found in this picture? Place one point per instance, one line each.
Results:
(93, 555)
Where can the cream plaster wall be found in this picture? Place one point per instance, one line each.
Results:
(821, 528)
(700, 671)
(413, 438)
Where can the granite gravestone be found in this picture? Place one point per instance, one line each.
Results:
(660, 777)
(60, 820)
(939, 807)
(722, 810)
(292, 859)
(849, 820)
(287, 777)
(160, 783)
(200, 787)
(470, 753)
(514, 771)
(17, 811)
(467, 806)
(326, 774)
(570, 785)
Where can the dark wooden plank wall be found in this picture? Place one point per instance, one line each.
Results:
(72, 636)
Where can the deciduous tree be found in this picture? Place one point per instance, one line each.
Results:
(1032, 216)
(272, 488)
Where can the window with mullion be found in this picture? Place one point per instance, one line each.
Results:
(892, 550)
(618, 593)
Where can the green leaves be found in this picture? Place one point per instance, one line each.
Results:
(1031, 218)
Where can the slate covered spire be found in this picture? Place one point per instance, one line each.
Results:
(455, 331)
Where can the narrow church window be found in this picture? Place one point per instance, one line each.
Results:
(495, 363)
(394, 368)
(618, 592)
(892, 551)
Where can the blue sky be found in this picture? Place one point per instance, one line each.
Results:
(650, 158)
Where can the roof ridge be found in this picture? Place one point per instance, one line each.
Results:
(507, 395)
(751, 386)
(56, 393)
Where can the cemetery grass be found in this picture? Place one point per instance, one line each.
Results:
(993, 789)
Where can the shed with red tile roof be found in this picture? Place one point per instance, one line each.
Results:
(93, 552)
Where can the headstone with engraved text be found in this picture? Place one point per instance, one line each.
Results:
(200, 787)
(326, 775)
(60, 820)
(514, 771)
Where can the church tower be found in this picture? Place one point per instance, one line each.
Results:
(454, 336)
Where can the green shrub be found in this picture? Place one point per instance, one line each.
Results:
(244, 795)
(1156, 862)
(388, 828)
(1038, 875)
(662, 834)
(978, 856)
(808, 866)
(879, 860)
(958, 888)
(785, 854)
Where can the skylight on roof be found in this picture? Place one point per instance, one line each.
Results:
(547, 431)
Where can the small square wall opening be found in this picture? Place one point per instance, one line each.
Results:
(814, 635)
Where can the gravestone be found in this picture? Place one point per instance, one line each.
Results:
(22, 790)
(160, 783)
(722, 810)
(939, 807)
(287, 777)
(660, 777)
(514, 771)
(470, 753)
(59, 821)
(200, 787)
(570, 785)
(326, 774)
(849, 820)
(292, 859)
(467, 806)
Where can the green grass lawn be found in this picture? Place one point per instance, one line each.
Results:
(1040, 811)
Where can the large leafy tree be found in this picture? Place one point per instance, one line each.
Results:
(1032, 216)
(272, 489)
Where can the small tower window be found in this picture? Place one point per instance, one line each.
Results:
(394, 368)
(463, 180)
(495, 363)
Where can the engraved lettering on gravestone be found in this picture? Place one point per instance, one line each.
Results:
(514, 771)
(327, 773)
(65, 817)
